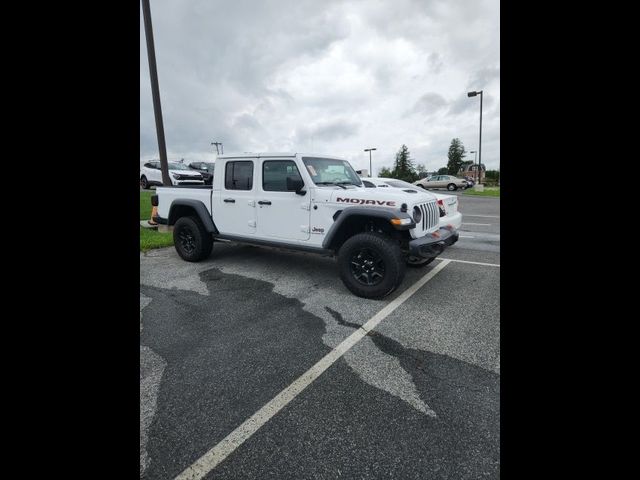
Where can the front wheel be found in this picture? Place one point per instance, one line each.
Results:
(371, 265)
(451, 187)
(191, 240)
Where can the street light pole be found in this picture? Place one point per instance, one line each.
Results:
(155, 91)
(370, 164)
(473, 94)
(475, 156)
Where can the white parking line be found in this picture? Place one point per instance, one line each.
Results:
(479, 224)
(467, 236)
(484, 216)
(222, 450)
(467, 261)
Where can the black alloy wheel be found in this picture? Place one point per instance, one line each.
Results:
(367, 267)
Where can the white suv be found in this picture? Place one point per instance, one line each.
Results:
(180, 174)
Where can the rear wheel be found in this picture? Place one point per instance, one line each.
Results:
(144, 183)
(418, 262)
(451, 187)
(191, 240)
(371, 265)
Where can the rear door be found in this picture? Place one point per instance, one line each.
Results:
(282, 214)
(236, 202)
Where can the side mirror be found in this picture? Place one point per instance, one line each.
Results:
(295, 185)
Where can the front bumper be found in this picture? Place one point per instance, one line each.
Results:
(433, 244)
(454, 219)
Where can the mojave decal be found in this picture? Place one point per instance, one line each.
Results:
(361, 201)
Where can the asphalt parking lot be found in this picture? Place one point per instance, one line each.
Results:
(227, 348)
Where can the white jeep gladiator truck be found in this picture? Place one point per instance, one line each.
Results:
(314, 203)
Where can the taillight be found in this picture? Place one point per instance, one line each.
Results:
(443, 213)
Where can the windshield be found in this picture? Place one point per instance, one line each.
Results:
(327, 171)
(400, 184)
(210, 167)
(177, 166)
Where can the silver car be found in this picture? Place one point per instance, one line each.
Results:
(442, 181)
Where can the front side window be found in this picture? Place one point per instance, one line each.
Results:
(280, 176)
(239, 175)
(328, 171)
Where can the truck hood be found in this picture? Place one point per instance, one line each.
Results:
(379, 197)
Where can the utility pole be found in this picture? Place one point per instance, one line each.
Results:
(370, 165)
(218, 144)
(155, 91)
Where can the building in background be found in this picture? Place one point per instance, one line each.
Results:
(471, 171)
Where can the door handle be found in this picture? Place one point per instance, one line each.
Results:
(264, 202)
(229, 200)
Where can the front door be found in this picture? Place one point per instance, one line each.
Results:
(236, 202)
(281, 212)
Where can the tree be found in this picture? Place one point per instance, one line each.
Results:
(455, 156)
(492, 175)
(443, 171)
(384, 172)
(403, 168)
(421, 171)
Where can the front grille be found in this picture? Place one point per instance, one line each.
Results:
(430, 216)
(190, 182)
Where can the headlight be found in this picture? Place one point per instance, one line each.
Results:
(417, 214)
(177, 176)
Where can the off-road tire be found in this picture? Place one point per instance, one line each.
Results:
(389, 258)
(191, 240)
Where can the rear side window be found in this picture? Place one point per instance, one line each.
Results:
(239, 175)
(275, 174)
(148, 165)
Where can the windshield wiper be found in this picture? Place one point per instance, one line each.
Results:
(348, 182)
(331, 183)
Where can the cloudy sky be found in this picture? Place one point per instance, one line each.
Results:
(324, 76)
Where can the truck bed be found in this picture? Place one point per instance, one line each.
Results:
(166, 195)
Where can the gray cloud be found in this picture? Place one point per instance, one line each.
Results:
(326, 131)
(483, 78)
(335, 75)
(429, 103)
(434, 60)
